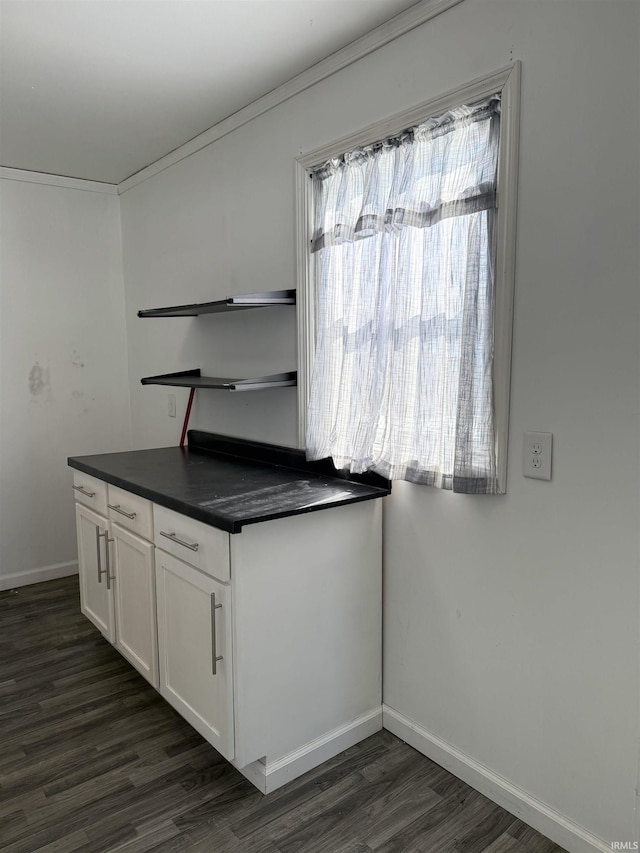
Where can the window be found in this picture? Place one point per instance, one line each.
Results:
(407, 293)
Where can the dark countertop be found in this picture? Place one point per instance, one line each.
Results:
(229, 482)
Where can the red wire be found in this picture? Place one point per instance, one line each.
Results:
(186, 417)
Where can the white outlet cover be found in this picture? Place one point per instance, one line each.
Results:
(536, 455)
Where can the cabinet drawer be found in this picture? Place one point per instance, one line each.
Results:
(131, 512)
(90, 491)
(201, 545)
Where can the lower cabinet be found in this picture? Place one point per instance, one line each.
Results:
(268, 642)
(96, 597)
(116, 571)
(196, 660)
(135, 601)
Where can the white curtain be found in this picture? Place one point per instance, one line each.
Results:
(403, 243)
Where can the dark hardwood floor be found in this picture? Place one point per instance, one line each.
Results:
(92, 759)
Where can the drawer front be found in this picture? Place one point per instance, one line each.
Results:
(131, 512)
(198, 544)
(90, 491)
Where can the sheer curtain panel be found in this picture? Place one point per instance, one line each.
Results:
(403, 245)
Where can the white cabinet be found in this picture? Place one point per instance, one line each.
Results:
(268, 641)
(136, 635)
(307, 637)
(135, 604)
(198, 544)
(196, 660)
(116, 570)
(96, 595)
(194, 624)
(297, 629)
(131, 511)
(90, 491)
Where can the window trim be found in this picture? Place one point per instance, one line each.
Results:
(506, 81)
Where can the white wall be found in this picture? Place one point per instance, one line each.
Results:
(63, 377)
(511, 623)
(191, 236)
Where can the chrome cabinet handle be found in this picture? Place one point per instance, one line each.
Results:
(110, 577)
(84, 491)
(215, 657)
(116, 507)
(174, 538)
(98, 555)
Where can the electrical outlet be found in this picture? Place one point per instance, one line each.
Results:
(536, 455)
(171, 405)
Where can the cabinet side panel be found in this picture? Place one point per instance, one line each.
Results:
(307, 627)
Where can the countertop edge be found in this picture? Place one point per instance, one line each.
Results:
(158, 497)
(209, 516)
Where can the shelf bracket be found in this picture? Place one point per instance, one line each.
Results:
(187, 415)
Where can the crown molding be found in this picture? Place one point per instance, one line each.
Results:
(9, 174)
(408, 20)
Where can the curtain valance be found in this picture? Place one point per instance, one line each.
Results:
(442, 168)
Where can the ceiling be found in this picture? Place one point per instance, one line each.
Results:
(99, 89)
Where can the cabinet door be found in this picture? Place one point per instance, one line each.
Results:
(194, 628)
(96, 598)
(135, 601)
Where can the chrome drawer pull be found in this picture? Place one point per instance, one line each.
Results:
(174, 538)
(110, 577)
(84, 492)
(121, 511)
(215, 657)
(101, 571)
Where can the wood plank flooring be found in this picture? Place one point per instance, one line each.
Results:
(93, 760)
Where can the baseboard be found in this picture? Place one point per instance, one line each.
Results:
(268, 775)
(554, 825)
(45, 573)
